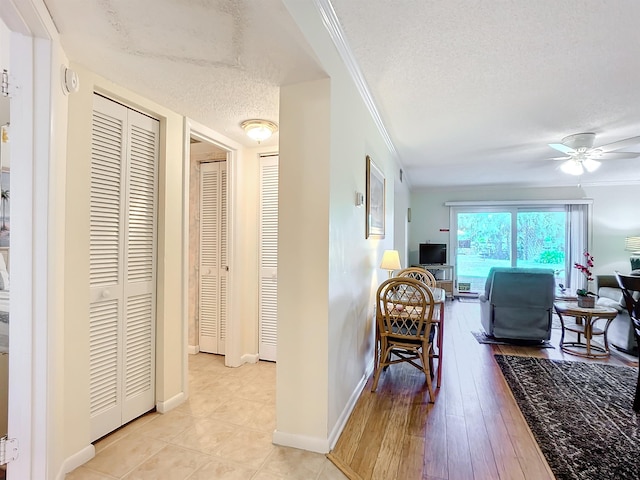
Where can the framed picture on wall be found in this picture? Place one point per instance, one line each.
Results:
(375, 201)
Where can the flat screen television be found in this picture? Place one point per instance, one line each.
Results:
(433, 253)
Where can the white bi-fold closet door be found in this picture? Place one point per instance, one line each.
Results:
(268, 259)
(213, 268)
(122, 265)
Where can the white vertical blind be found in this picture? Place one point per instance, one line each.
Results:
(577, 242)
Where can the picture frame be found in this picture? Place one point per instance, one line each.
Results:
(375, 216)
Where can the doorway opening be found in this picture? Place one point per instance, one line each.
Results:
(208, 247)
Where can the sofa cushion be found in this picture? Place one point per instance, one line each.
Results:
(609, 302)
(611, 293)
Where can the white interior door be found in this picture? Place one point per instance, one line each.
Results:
(122, 265)
(212, 291)
(268, 258)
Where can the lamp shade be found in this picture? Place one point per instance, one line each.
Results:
(390, 260)
(632, 244)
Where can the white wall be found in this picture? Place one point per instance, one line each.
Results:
(615, 216)
(328, 271)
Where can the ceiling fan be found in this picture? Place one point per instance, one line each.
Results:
(581, 155)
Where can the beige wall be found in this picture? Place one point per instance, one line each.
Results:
(303, 246)
(169, 344)
(328, 271)
(615, 216)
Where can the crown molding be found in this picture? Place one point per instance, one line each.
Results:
(332, 24)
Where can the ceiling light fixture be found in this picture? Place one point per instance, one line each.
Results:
(577, 165)
(259, 130)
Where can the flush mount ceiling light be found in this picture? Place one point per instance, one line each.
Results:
(259, 130)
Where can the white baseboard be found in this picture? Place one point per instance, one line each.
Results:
(322, 445)
(193, 349)
(348, 408)
(173, 402)
(312, 444)
(76, 460)
(250, 358)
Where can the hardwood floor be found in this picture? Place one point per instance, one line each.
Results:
(474, 430)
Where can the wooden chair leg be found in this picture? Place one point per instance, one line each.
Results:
(382, 360)
(426, 360)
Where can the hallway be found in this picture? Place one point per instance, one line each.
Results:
(222, 432)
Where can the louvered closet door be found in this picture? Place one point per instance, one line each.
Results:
(213, 257)
(140, 261)
(121, 265)
(268, 258)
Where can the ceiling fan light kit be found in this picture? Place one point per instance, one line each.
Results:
(581, 154)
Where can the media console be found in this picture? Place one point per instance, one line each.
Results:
(444, 276)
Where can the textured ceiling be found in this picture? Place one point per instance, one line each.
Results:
(218, 62)
(471, 92)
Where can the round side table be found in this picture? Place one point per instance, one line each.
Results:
(584, 326)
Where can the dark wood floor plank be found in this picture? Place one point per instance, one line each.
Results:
(458, 454)
(386, 466)
(411, 458)
(504, 454)
(435, 443)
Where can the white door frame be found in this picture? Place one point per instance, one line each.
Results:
(233, 356)
(34, 306)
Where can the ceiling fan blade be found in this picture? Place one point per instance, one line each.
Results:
(559, 158)
(620, 144)
(562, 148)
(617, 155)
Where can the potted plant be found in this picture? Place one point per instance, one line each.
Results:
(586, 299)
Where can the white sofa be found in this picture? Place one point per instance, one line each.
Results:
(620, 333)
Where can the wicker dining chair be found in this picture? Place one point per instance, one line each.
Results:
(630, 286)
(404, 314)
(426, 277)
(419, 273)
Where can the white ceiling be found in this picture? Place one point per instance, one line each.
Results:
(470, 92)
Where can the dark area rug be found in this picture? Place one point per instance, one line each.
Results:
(580, 414)
(482, 337)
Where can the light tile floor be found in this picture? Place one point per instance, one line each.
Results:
(222, 432)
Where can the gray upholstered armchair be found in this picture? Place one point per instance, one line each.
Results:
(518, 303)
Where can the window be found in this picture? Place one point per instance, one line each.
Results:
(533, 236)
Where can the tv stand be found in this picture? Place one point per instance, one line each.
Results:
(443, 274)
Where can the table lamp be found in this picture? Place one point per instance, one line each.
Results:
(390, 261)
(632, 244)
